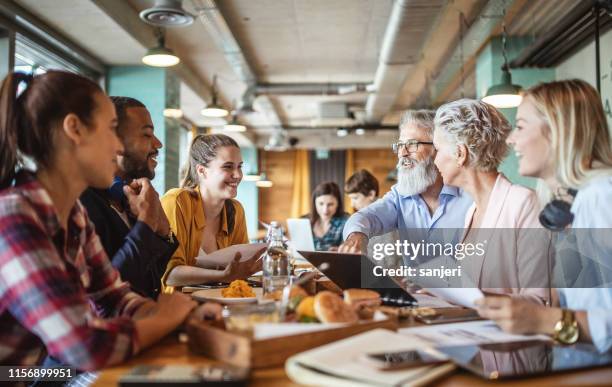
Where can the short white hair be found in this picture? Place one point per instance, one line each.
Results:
(422, 118)
(480, 127)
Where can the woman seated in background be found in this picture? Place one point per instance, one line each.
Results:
(59, 293)
(204, 215)
(470, 141)
(327, 217)
(562, 137)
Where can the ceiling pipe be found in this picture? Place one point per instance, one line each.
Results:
(220, 33)
(310, 88)
(392, 67)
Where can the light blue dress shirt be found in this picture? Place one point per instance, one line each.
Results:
(410, 216)
(592, 208)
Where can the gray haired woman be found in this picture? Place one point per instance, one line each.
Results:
(470, 140)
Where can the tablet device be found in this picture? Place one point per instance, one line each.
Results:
(300, 233)
(525, 358)
(356, 271)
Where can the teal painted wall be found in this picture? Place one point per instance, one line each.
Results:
(156, 88)
(488, 72)
(248, 191)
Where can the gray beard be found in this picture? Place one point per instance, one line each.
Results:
(415, 180)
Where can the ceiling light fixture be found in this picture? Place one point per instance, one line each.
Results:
(160, 56)
(342, 132)
(173, 113)
(360, 131)
(234, 125)
(264, 182)
(504, 94)
(214, 110)
(250, 177)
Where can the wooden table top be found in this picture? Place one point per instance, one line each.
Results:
(171, 351)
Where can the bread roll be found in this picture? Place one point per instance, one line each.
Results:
(330, 308)
(363, 301)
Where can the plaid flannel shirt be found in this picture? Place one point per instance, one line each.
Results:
(333, 236)
(58, 289)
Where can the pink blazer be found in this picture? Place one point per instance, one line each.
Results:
(517, 258)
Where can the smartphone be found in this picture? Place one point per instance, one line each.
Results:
(404, 359)
(172, 375)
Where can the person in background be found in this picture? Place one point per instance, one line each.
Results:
(205, 216)
(128, 216)
(562, 137)
(59, 292)
(419, 202)
(327, 217)
(470, 141)
(362, 189)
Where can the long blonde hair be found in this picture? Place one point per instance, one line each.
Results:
(577, 129)
(202, 151)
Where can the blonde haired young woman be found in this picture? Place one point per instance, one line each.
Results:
(204, 215)
(562, 137)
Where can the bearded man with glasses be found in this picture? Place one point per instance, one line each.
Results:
(419, 202)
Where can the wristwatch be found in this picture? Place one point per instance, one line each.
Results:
(566, 329)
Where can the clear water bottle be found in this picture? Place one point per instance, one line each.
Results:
(276, 261)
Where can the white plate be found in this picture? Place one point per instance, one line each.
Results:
(215, 295)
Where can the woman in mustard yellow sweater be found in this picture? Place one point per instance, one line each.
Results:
(204, 215)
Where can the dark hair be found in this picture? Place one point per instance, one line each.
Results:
(326, 188)
(27, 121)
(202, 151)
(361, 182)
(121, 106)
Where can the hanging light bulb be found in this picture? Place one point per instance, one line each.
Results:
(504, 94)
(160, 56)
(214, 110)
(264, 182)
(173, 113)
(234, 125)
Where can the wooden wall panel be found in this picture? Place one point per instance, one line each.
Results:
(275, 202)
(379, 162)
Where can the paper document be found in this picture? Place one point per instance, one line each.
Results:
(465, 333)
(427, 301)
(459, 296)
(220, 258)
(339, 363)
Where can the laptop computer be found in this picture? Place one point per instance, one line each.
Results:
(356, 271)
(300, 233)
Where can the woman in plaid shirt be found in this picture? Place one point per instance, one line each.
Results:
(327, 216)
(58, 290)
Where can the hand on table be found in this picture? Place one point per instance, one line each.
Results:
(516, 315)
(355, 243)
(207, 311)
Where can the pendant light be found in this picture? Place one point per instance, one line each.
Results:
(504, 94)
(160, 56)
(214, 110)
(263, 182)
(234, 125)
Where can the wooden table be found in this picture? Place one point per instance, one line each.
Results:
(171, 351)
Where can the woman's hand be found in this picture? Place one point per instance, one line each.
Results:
(242, 270)
(520, 316)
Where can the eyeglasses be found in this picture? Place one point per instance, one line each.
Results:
(410, 145)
